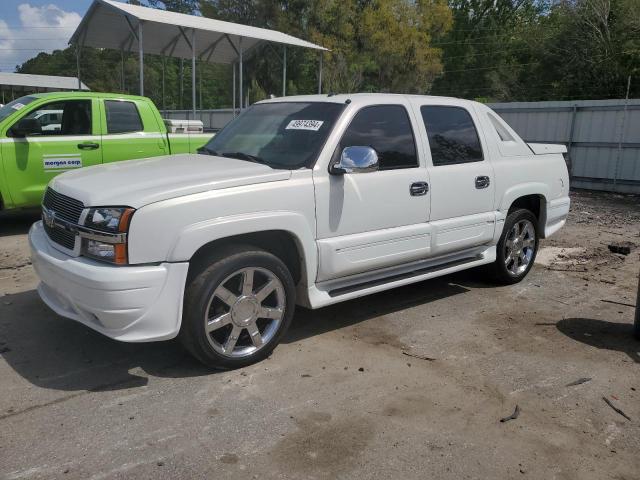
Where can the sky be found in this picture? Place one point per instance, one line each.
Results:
(31, 26)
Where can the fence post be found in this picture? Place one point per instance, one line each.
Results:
(571, 130)
(621, 137)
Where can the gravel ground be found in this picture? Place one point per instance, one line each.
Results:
(410, 383)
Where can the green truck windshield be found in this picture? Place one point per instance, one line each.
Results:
(14, 106)
(282, 135)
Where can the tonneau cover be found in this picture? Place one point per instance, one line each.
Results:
(546, 148)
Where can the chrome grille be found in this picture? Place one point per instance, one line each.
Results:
(67, 208)
(61, 237)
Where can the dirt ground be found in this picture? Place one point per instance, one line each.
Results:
(344, 396)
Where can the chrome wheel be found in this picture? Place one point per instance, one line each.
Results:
(519, 246)
(244, 312)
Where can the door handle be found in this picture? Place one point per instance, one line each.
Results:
(418, 189)
(482, 182)
(88, 146)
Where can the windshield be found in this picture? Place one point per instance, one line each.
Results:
(14, 106)
(282, 135)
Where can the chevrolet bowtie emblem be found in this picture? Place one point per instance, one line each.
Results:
(48, 217)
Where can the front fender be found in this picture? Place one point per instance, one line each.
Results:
(195, 236)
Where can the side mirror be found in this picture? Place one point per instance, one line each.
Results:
(356, 160)
(25, 127)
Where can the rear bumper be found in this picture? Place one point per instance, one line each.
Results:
(131, 304)
(557, 212)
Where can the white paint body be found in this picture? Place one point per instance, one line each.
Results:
(354, 229)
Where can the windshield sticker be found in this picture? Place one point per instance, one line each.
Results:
(17, 106)
(313, 125)
(61, 162)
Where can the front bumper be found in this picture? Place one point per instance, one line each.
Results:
(131, 304)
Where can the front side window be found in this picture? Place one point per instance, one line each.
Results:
(386, 129)
(452, 135)
(15, 106)
(122, 117)
(71, 117)
(286, 135)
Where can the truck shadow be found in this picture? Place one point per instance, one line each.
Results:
(602, 334)
(17, 223)
(309, 323)
(56, 353)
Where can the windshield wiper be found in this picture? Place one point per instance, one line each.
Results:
(244, 156)
(206, 151)
(236, 155)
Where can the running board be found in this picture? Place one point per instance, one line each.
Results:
(402, 276)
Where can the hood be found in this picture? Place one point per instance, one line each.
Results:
(136, 183)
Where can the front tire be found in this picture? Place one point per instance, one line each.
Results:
(516, 249)
(238, 305)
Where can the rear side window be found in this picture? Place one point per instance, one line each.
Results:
(122, 117)
(453, 137)
(387, 129)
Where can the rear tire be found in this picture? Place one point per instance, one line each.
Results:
(238, 304)
(517, 248)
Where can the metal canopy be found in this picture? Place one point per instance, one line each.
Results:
(26, 81)
(121, 26)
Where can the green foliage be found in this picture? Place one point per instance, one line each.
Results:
(493, 50)
(510, 50)
(180, 6)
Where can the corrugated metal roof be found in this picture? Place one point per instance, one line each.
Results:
(110, 24)
(47, 82)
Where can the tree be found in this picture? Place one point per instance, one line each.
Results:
(500, 50)
(591, 49)
(181, 6)
(488, 50)
(396, 36)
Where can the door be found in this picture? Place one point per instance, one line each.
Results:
(376, 219)
(127, 136)
(35, 149)
(462, 183)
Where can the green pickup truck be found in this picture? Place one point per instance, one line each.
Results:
(43, 135)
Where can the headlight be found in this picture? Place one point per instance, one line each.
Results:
(105, 234)
(108, 219)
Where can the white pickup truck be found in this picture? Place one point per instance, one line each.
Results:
(308, 200)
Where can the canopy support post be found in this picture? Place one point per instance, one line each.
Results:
(141, 58)
(79, 45)
(122, 70)
(181, 83)
(284, 71)
(164, 107)
(241, 64)
(78, 65)
(320, 73)
(193, 71)
(233, 65)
